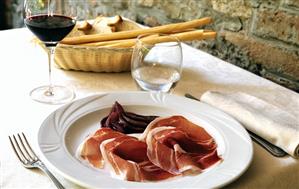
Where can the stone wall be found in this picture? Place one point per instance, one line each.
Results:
(12, 10)
(261, 36)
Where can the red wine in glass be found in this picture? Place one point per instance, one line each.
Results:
(50, 28)
(51, 21)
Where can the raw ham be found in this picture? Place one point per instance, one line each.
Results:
(194, 131)
(188, 147)
(127, 156)
(168, 147)
(91, 147)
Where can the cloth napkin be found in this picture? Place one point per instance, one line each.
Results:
(273, 123)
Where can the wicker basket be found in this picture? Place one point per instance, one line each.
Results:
(95, 59)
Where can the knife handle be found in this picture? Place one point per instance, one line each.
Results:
(274, 150)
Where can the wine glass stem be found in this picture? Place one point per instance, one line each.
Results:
(51, 53)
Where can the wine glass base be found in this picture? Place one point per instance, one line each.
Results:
(59, 94)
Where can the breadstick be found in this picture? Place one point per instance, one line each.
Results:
(134, 33)
(186, 30)
(186, 36)
(105, 43)
(209, 35)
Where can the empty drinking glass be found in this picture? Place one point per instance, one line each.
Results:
(156, 63)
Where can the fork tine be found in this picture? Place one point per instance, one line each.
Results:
(24, 148)
(19, 149)
(15, 150)
(35, 157)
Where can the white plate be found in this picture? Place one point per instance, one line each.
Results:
(63, 131)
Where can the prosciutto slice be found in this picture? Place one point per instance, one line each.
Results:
(90, 150)
(127, 156)
(188, 147)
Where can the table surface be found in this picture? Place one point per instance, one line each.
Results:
(23, 67)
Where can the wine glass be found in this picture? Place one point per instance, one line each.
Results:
(50, 21)
(156, 63)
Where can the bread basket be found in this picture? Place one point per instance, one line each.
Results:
(96, 59)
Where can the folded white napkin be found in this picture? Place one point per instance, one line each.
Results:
(274, 124)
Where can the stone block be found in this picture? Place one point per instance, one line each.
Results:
(277, 24)
(151, 21)
(107, 1)
(182, 9)
(145, 3)
(291, 3)
(173, 10)
(189, 13)
(120, 4)
(233, 8)
(232, 24)
(267, 3)
(270, 56)
(255, 3)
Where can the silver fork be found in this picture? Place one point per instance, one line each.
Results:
(28, 158)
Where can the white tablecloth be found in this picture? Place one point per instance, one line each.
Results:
(23, 67)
